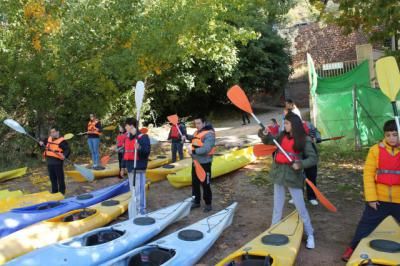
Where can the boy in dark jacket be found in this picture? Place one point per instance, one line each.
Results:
(140, 142)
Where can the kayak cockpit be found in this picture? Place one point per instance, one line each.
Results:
(96, 238)
(251, 260)
(152, 255)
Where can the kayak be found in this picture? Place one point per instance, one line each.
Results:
(112, 169)
(19, 218)
(103, 244)
(160, 173)
(62, 227)
(4, 176)
(221, 165)
(28, 199)
(6, 194)
(381, 247)
(184, 247)
(278, 246)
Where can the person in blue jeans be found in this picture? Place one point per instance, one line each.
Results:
(176, 140)
(141, 142)
(94, 132)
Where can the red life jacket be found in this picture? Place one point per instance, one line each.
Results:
(175, 132)
(306, 128)
(274, 130)
(388, 172)
(129, 153)
(121, 140)
(287, 144)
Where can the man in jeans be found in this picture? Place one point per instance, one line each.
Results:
(176, 140)
(94, 131)
(202, 150)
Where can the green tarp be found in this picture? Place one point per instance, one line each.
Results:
(332, 100)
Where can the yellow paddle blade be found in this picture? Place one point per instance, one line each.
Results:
(387, 73)
(110, 128)
(68, 136)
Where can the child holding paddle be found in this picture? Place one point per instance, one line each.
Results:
(287, 174)
(381, 185)
(141, 142)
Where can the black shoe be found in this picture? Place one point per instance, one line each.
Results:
(207, 208)
(195, 205)
(99, 167)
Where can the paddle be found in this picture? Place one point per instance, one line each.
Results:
(17, 127)
(260, 150)
(68, 136)
(388, 75)
(333, 138)
(201, 174)
(239, 98)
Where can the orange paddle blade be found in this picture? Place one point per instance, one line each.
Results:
(324, 201)
(104, 160)
(201, 174)
(173, 119)
(239, 98)
(144, 130)
(260, 150)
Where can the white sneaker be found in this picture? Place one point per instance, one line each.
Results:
(313, 202)
(310, 242)
(291, 201)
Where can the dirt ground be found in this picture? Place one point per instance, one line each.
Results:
(338, 179)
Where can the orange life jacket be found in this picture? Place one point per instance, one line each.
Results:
(388, 172)
(129, 152)
(53, 148)
(175, 132)
(198, 140)
(92, 129)
(287, 144)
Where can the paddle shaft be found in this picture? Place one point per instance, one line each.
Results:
(258, 121)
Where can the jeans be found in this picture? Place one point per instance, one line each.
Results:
(94, 146)
(138, 194)
(177, 147)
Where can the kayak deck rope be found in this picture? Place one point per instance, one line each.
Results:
(169, 213)
(284, 219)
(227, 211)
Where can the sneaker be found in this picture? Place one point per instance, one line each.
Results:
(347, 254)
(313, 202)
(195, 205)
(291, 201)
(310, 242)
(207, 208)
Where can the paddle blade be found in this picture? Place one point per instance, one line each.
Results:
(14, 125)
(201, 174)
(86, 173)
(324, 201)
(68, 136)
(173, 119)
(139, 94)
(239, 98)
(387, 73)
(144, 130)
(104, 160)
(260, 150)
(110, 128)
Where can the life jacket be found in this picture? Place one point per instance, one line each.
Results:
(198, 140)
(53, 148)
(92, 129)
(129, 146)
(287, 144)
(388, 172)
(175, 132)
(274, 130)
(121, 140)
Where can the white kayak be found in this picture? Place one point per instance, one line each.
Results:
(104, 244)
(184, 247)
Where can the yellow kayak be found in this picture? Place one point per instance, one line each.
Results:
(381, 247)
(6, 194)
(222, 164)
(112, 169)
(278, 245)
(4, 176)
(28, 199)
(160, 173)
(62, 227)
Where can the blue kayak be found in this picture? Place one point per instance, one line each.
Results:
(19, 218)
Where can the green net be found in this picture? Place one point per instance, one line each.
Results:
(333, 109)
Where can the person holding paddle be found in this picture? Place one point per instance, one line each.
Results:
(120, 147)
(56, 150)
(177, 136)
(135, 140)
(93, 132)
(202, 150)
(381, 185)
(289, 173)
